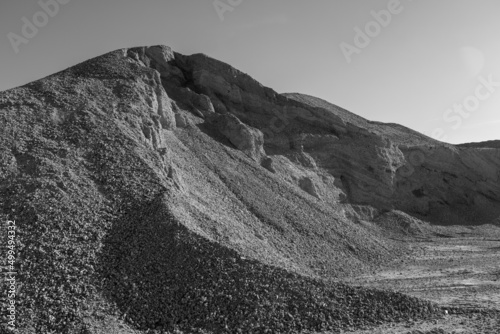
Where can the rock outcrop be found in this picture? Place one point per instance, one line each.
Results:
(245, 138)
(384, 165)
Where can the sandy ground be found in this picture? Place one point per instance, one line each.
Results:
(453, 272)
(462, 274)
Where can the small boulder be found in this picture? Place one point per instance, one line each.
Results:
(181, 120)
(308, 186)
(267, 163)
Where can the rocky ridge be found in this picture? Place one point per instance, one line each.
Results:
(384, 165)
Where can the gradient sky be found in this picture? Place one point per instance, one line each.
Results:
(429, 58)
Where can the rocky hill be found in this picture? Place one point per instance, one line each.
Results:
(155, 192)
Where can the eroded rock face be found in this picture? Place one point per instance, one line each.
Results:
(372, 163)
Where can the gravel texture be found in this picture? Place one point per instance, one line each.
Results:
(126, 220)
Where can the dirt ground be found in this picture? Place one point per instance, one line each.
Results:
(461, 273)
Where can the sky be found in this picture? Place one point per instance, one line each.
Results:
(431, 65)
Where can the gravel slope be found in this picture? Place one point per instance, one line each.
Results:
(122, 216)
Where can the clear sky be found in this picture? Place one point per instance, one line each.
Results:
(415, 66)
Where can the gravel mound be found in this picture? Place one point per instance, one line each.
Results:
(177, 279)
(121, 216)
